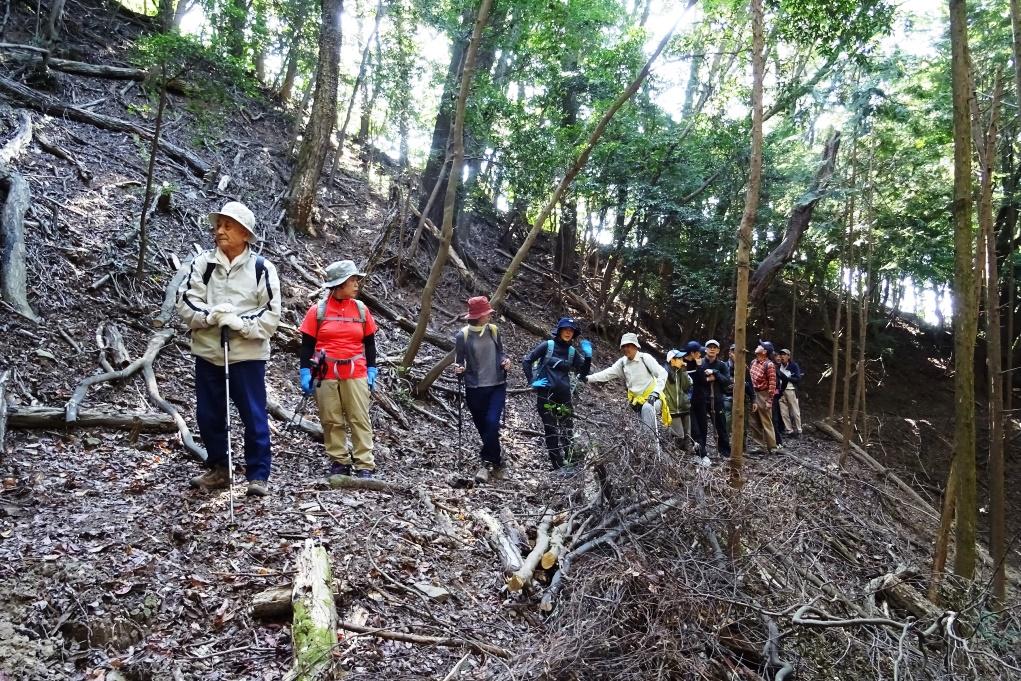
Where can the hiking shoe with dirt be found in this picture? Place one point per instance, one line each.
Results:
(705, 462)
(498, 473)
(340, 469)
(365, 473)
(257, 488)
(214, 478)
(482, 475)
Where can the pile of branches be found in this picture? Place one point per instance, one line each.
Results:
(668, 572)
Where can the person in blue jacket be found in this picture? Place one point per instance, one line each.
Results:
(548, 370)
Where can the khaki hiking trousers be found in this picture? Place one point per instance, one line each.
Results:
(760, 421)
(344, 408)
(790, 411)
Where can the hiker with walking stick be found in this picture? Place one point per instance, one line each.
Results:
(482, 364)
(231, 302)
(644, 379)
(340, 329)
(548, 369)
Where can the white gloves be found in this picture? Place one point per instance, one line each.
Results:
(216, 313)
(231, 320)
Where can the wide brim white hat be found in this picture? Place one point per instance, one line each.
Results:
(239, 212)
(630, 339)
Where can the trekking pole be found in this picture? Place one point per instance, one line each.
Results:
(225, 341)
(460, 412)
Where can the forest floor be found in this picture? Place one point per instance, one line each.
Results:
(112, 568)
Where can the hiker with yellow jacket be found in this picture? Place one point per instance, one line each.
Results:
(644, 379)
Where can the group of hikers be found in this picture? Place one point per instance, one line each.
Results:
(230, 299)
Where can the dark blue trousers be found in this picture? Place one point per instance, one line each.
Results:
(486, 407)
(248, 393)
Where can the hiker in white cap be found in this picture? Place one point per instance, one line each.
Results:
(340, 331)
(231, 288)
(643, 377)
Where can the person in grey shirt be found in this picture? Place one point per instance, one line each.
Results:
(479, 360)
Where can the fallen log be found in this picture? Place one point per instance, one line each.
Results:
(113, 346)
(556, 546)
(55, 417)
(275, 603)
(314, 630)
(866, 459)
(3, 412)
(408, 325)
(523, 576)
(903, 596)
(156, 343)
(53, 107)
(506, 550)
(441, 641)
(13, 275)
(302, 423)
(369, 484)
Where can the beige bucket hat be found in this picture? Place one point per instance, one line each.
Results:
(239, 212)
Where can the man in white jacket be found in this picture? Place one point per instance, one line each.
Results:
(643, 377)
(232, 288)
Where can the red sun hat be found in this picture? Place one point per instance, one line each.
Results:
(478, 306)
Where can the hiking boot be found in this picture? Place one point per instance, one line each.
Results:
(498, 473)
(340, 469)
(257, 488)
(214, 478)
(705, 462)
(482, 475)
(364, 473)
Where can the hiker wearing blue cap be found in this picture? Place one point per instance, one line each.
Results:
(548, 369)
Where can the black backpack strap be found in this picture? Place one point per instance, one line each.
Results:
(207, 275)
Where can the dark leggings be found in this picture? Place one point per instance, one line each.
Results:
(557, 423)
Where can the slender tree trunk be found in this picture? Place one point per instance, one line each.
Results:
(302, 190)
(501, 291)
(291, 70)
(946, 522)
(964, 300)
(143, 232)
(997, 502)
(456, 164)
(835, 359)
(53, 25)
(743, 257)
(845, 447)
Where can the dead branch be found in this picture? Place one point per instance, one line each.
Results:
(13, 275)
(113, 346)
(14, 147)
(303, 423)
(523, 576)
(53, 148)
(314, 631)
(53, 107)
(507, 550)
(156, 343)
(187, 439)
(3, 412)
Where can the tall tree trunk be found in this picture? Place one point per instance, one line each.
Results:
(744, 250)
(449, 201)
(442, 127)
(359, 79)
(565, 255)
(291, 70)
(301, 192)
(986, 142)
(964, 300)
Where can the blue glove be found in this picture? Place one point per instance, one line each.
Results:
(586, 348)
(306, 380)
(540, 382)
(372, 371)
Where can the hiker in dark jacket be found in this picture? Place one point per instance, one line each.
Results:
(548, 370)
(790, 377)
(481, 362)
(693, 351)
(718, 379)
